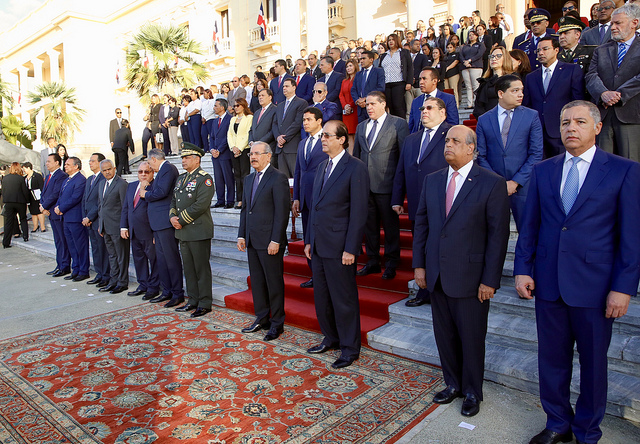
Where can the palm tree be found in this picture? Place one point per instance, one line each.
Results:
(62, 116)
(160, 57)
(6, 99)
(16, 131)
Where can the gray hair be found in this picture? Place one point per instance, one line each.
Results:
(321, 85)
(156, 154)
(267, 148)
(594, 112)
(105, 162)
(631, 10)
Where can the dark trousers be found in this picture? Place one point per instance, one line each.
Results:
(380, 211)
(210, 140)
(11, 209)
(267, 285)
(197, 271)
(99, 254)
(122, 160)
(460, 328)
(223, 177)
(306, 212)
(241, 169)
(619, 138)
(337, 307)
(166, 144)
(194, 126)
(63, 259)
(146, 136)
(184, 132)
(394, 92)
(78, 243)
(560, 327)
(422, 294)
(287, 163)
(517, 202)
(169, 262)
(144, 261)
(551, 146)
(118, 250)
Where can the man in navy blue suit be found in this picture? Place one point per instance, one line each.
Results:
(339, 64)
(333, 79)
(287, 128)
(549, 88)
(510, 141)
(48, 199)
(134, 225)
(539, 20)
(158, 197)
(275, 86)
(309, 156)
(221, 157)
(329, 109)
(90, 204)
(422, 154)
(429, 86)
(304, 81)
(368, 79)
(69, 206)
(333, 241)
(578, 252)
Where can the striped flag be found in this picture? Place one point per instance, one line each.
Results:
(262, 23)
(215, 37)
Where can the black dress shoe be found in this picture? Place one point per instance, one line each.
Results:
(389, 273)
(256, 326)
(274, 333)
(447, 395)
(160, 298)
(344, 362)
(118, 289)
(322, 348)
(308, 284)
(70, 277)
(103, 284)
(6, 246)
(149, 296)
(228, 206)
(550, 437)
(136, 292)
(61, 273)
(52, 272)
(26, 239)
(415, 302)
(186, 308)
(218, 205)
(107, 288)
(470, 405)
(94, 281)
(368, 269)
(174, 302)
(200, 312)
(80, 277)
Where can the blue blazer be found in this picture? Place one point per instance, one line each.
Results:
(529, 48)
(304, 90)
(340, 66)
(158, 196)
(305, 171)
(415, 122)
(333, 87)
(51, 192)
(278, 95)
(136, 220)
(329, 110)
(220, 134)
(90, 201)
(592, 250)
(375, 82)
(70, 199)
(566, 85)
(410, 174)
(523, 150)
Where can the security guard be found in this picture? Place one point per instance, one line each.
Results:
(191, 218)
(569, 32)
(539, 19)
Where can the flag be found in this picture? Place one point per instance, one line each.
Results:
(262, 23)
(215, 37)
(118, 73)
(146, 60)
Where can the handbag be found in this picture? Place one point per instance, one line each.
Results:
(159, 138)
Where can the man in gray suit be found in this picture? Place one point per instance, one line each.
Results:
(50, 149)
(115, 125)
(262, 124)
(238, 92)
(601, 34)
(287, 127)
(377, 143)
(112, 198)
(612, 81)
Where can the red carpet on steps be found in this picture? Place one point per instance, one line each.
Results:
(375, 294)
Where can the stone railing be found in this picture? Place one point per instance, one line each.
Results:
(335, 15)
(225, 48)
(273, 34)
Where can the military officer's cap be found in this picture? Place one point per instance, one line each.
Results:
(538, 14)
(189, 149)
(567, 23)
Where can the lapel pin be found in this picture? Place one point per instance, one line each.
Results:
(469, 179)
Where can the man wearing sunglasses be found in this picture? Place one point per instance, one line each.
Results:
(329, 109)
(115, 125)
(601, 33)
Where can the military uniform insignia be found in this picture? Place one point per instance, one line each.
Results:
(208, 182)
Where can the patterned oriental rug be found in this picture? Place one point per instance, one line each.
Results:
(147, 375)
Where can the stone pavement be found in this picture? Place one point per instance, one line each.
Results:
(32, 301)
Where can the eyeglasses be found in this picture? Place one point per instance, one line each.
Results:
(237, 106)
(495, 56)
(118, 112)
(144, 171)
(568, 8)
(428, 107)
(255, 154)
(604, 8)
(546, 48)
(328, 136)
(319, 91)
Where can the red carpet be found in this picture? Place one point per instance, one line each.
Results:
(375, 294)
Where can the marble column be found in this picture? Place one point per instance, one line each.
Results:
(317, 25)
(37, 70)
(289, 21)
(54, 64)
(418, 10)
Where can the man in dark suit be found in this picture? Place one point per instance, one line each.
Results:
(510, 141)
(134, 225)
(314, 67)
(304, 81)
(520, 39)
(158, 197)
(69, 206)
(601, 34)
(50, 149)
(461, 234)
(262, 123)
(115, 125)
(578, 249)
(90, 206)
(377, 143)
(329, 109)
(48, 200)
(263, 235)
(333, 79)
(276, 84)
(422, 154)
(163, 116)
(420, 61)
(238, 92)
(368, 79)
(112, 198)
(221, 157)
(539, 19)
(309, 156)
(339, 64)
(287, 127)
(569, 31)
(333, 241)
(549, 88)
(429, 78)
(121, 142)
(612, 82)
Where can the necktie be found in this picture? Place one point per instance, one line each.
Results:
(425, 143)
(286, 105)
(47, 181)
(256, 182)
(298, 80)
(535, 44)
(136, 199)
(308, 148)
(622, 51)
(65, 183)
(364, 79)
(372, 134)
(547, 79)
(528, 35)
(260, 116)
(603, 29)
(279, 81)
(426, 97)
(570, 191)
(106, 187)
(506, 125)
(327, 173)
(451, 191)
(93, 179)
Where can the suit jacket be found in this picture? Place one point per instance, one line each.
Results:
(333, 86)
(158, 196)
(70, 199)
(316, 73)
(375, 82)
(162, 118)
(580, 255)
(305, 171)
(341, 67)
(111, 203)
(339, 210)
(415, 121)
(406, 64)
(241, 138)
(14, 189)
(591, 36)
(529, 47)
(262, 130)
(382, 158)
(519, 40)
(123, 139)
(419, 61)
(220, 131)
(604, 75)
(523, 150)
(43, 161)
(289, 125)
(51, 192)
(566, 85)
(135, 219)
(278, 95)
(329, 110)
(113, 127)
(471, 241)
(235, 94)
(91, 198)
(264, 218)
(410, 174)
(304, 90)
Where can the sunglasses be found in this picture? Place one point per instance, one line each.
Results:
(568, 8)
(119, 112)
(319, 91)
(428, 107)
(144, 171)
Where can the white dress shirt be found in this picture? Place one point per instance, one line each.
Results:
(424, 134)
(460, 178)
(334, 161)
(380, 121)
(502, 116)
(552, 68)
(583, 167)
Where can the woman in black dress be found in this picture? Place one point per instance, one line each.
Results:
(62, 152)
(15, 196)
(35, 183)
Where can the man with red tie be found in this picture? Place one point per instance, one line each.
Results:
(304, 81)
(48, 200)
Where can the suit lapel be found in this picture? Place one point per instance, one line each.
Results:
(442, 192)
(597, 171)
(515, 123)
(613, 55)
(495, 124)
(631, 53)
(337, 171)
(468, 184)
(263, 183)
(432, 143)
(559, 71)
(556, 179)
(383, 131)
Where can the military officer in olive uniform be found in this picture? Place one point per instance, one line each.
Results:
(191, 218)
(539, 19)
(569, 32)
